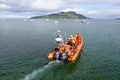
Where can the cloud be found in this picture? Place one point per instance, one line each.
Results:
(101, 13)
(108, 12)
(93, 1)
(41, 7)
(46, 5)
(78, 10)
(115, 10)
(7, 14)
(4, 6)
(34, 5)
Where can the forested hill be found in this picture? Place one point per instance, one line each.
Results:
(62, 15)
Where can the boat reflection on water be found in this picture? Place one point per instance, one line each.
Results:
(70, 67)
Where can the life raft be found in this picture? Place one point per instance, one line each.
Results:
(69, 51)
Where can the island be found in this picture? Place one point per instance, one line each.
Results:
(62, 15)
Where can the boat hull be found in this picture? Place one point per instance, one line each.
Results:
(72, 55)
(75, 56)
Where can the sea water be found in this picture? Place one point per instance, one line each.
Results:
(24, 45)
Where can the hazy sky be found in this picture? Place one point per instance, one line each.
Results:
(91, 8)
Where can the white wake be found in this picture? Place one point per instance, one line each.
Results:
(41, 70)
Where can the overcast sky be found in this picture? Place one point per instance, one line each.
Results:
(100, 9)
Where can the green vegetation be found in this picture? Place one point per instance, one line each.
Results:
(62, 15)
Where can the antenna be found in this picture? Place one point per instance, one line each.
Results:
(65, 36)
(58, 31)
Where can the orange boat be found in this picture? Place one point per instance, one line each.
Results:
(68, 51)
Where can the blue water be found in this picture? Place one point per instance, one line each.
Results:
(25, 44)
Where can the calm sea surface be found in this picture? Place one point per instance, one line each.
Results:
(25, 44)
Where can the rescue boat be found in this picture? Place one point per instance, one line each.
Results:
(67, 51)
